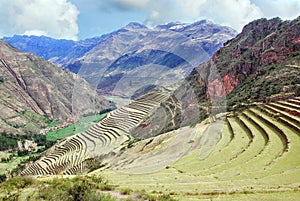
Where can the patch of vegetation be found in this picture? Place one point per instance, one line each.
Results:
(68, 189)
(92, 118)
(132, 142)
(95, 165)
(2, 178)
(125, 191)
(143, 195)
(7, 142)
(73, 129)
(268, 81)
(66, 132)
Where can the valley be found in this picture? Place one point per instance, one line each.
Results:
(222, 124)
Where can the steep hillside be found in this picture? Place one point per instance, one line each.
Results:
(260, 63)
(32, 87)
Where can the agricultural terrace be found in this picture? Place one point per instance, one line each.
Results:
(74, 154)
(251, 155)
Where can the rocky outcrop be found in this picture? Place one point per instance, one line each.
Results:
(262, 44)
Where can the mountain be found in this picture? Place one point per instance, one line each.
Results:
(233, 155)
(32, 88)
(136, 52)
(58, 51)
(113, 62)
(260, 64)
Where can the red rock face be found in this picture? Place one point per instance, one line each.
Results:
(262, 42)
(272, 57)
(221, 87)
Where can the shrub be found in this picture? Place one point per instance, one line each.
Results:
(22, 153)
(2, 178)
(125, 191)
(95, 165)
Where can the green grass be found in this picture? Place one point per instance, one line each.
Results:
(53, 123)
(6, 167)
(81, 188)
(4, 154)
(93, 118)
(66, 132)
(67, 189)
(73, 129)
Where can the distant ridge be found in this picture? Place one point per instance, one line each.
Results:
(133, 44)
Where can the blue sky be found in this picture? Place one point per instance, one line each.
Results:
(79, 19)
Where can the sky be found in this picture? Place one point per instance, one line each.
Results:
(80, 19)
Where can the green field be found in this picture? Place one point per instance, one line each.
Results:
(6, 167)
(82, 125)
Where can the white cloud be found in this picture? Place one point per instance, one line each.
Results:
(234, 13)
(286, 9)
(55, 18)
(35, 33)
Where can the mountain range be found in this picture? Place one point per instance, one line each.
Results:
(228, 130)
(260, 64)
(113, 62)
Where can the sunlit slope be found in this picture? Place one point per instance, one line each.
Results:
(258, 153)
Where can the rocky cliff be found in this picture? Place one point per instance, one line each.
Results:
(263, 60)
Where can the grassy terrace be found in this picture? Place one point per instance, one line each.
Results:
(250, 155)
(255, 158)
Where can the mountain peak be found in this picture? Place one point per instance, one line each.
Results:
(262, 25)
(201, 22)
(172, 25)
(135, 25)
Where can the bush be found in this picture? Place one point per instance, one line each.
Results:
(22, 153)
(96, 164)
(76, 189)
(7, 142)
(125, 191)
(2, 178)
